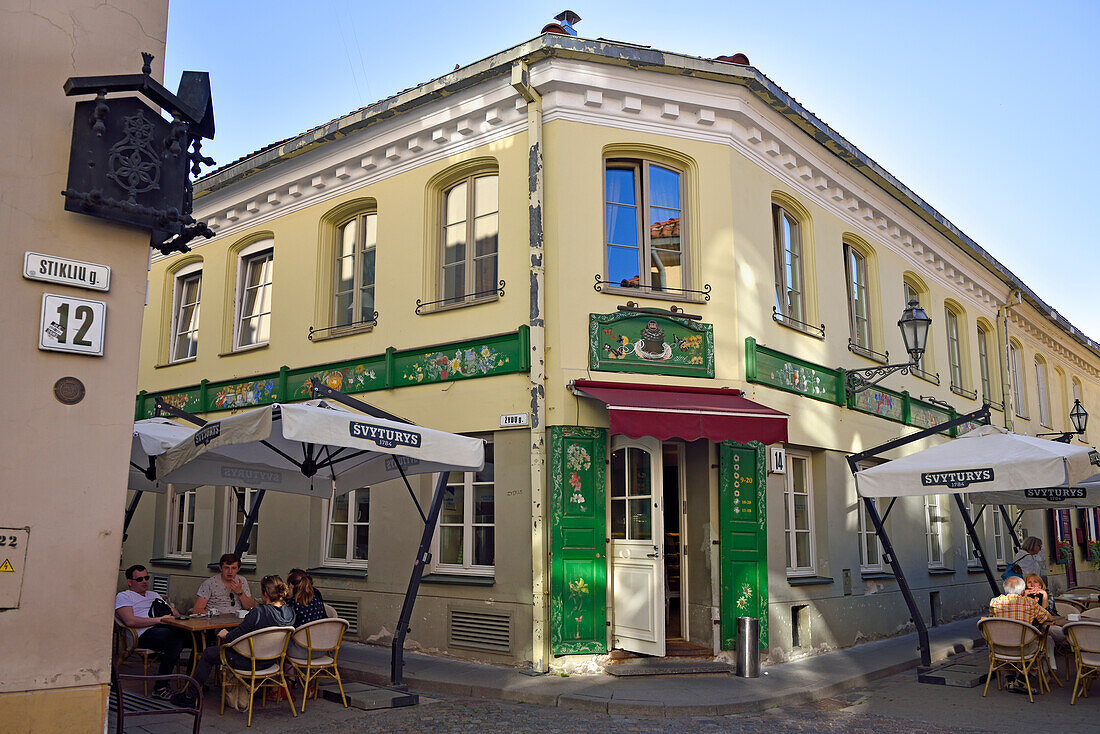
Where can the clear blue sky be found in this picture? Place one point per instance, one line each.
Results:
(988, 110)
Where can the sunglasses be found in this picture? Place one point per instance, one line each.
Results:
(140, 578)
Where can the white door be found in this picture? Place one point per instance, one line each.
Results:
(637, 546)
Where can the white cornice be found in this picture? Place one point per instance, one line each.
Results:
(1051, 344)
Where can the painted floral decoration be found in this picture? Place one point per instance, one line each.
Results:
(746, 596)
(465, 363)
(577, 458)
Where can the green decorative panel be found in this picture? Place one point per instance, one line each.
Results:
(350, 377)
(880, 402)
(926, 416)
(230, 395)
(578, 557)
(189, 400)
(742, 538)
(782, 371)
(650, 344)
(489, 356)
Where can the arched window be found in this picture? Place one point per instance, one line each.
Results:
(1042, 389)
(859, 305)
(954, 348)
(252, 304)
(353, 280)
(985, 343)
(468, 239)
(644, 225)
(914, 289)
(1016, 373)
(185, 296)
(790, 293)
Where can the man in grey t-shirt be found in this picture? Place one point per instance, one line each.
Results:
(226, 592)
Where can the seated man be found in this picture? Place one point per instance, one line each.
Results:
(227, 592)
(133, 608)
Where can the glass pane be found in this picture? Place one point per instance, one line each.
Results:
(664, 228)
(362, 505)
(485, 235)
(639, 478)
(455, 204)
(802, 550)
(340, 509)
(367, 274)
(484, 511)
(485, 195)
(620, 185)
(450, 545)
(871, 551)
(801, 512)
(618, 519)
(484, 546)
(622, 225)
(486, 474)
(641, 519)
(798, 474)
(361, 534)
(665, 270)
(664, 188)
(622, 266)
(338, 546)
(454, 249)
(344, 309)
(485, 274)
(370, 230)
(453, 499)
(454, 282)
(366, 304)
(346, 241)
(618, 473)
(787, 547)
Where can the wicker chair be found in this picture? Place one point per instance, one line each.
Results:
(320, 641)
(1093, 613)
(1014, 646)
(1067, 606)
(266, 652)
(1084, 638)
(127, 645)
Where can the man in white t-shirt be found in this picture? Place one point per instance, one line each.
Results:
(132, 607)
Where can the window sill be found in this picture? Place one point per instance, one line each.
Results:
(867, 353)
(458, 579)
(619, 290)
(963, 392)
(809, 580)
(338, 572)
(162, 365)
(974, 569)
(929, 377)
(876, 575)
(246, 567)
(171, 562)
(815, 332)
(337, 332)
(245, 350)
(441, 308)
(941, 572)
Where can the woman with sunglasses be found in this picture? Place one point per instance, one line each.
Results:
(227, 592)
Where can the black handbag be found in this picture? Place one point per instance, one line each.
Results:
(159, 608)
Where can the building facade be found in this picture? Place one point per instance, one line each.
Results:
(640, 276)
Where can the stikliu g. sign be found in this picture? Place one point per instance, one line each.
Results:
(64, 271)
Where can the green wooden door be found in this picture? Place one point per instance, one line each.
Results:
(743, 538)
(578, 555)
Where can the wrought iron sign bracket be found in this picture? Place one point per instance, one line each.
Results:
(632, 307)
(856, 381)
(130, 165)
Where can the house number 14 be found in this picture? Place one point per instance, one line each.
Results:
(72, 325)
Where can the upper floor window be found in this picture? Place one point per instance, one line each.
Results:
(181, 522)
(353, 284)
(859, 308)
(186, 295)
(1016, 372)
(789, 288)
(348, 528)
(798, 516)
(466, 540)
(253, 303)
(954, 352)
(469, 234)
(1043, 391)
(983, 364)
(644, 225)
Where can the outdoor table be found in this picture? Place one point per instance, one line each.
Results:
(198, 627)
(1086, 599)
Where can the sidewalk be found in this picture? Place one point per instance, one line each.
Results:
(788, 684)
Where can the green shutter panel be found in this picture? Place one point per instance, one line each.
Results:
(578, 555)
(743, 538)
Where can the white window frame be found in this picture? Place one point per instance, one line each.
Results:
(351, 524)
(1000, 536)
(640, 167)
(983, 364)
(972, 561)
(793, 249)
(180, 538)
(366, 241)
(231, 521)
(1019, 388)
(469, 480)
(954, 350)
(1043, 391)
(180, 279)
(794, 459)
(866, 531)
(470, 259)
(255, 253)
(859, 306)
(934, 530)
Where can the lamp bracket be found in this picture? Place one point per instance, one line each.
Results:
(856, 381)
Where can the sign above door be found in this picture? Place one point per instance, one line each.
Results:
(650, 344)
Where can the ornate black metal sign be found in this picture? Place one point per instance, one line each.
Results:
(130, 165)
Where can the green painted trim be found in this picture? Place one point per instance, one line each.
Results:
(615, 339)
(486, 356)
(796, 375)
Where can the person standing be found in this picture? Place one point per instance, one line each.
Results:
(227, 592)
(133, 607)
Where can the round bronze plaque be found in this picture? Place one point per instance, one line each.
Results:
(68, 390)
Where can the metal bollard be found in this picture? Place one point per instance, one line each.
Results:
(748, 647)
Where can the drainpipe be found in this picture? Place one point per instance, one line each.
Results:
(540, 576)
(1002, 339)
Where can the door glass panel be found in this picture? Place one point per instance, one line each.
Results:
(641, 519)
(638, 466)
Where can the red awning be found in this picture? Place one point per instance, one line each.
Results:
(690, 413)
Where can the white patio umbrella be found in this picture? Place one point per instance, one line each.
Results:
(1086, 494)
(152, 437)
(987, 459)
(312, 448)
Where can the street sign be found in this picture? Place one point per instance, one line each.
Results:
(513, 420)
(50, 269)
(70, 324)
(13, 559)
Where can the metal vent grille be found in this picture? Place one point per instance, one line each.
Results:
(348, 610)
(481, 631)
(161, 584)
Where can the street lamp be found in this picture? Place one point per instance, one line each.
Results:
(914, 323)
(1079, 417)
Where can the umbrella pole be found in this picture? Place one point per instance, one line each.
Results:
(423, 557)
(130, 510)
(972, 531)
(249, 523)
